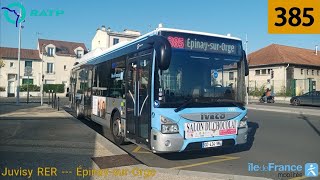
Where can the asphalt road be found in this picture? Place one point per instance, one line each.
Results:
(278, 138)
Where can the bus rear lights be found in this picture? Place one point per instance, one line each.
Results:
(167, 143)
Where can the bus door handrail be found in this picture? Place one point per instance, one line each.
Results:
(144, 101)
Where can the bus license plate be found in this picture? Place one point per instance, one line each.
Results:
(211, 144)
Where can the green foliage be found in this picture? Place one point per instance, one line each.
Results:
(284, 92)
(24, 88)
(57, 88)
(2, 64)
(256, 91)
(2, 89)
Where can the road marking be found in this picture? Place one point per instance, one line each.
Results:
(224, 158)
(137, 150)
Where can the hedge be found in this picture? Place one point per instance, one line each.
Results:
(24, 88)
(57, 88)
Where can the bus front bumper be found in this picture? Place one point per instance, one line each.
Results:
(166, 143)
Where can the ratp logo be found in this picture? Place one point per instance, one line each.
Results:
(16, 13)
(311, 170)
(11, 9)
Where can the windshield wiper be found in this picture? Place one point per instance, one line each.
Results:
(184, 105)
(230, 101)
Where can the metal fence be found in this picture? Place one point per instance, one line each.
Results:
(288, 88)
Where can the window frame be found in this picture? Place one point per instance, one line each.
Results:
(50, 51)
(115, 41)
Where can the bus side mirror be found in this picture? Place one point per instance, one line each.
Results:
(246, 66)
(163, 51)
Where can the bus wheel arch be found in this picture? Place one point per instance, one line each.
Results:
(115, 126)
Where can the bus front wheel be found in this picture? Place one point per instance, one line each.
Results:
(116, 129)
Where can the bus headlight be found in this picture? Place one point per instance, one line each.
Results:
(243, 122)
(168, 126)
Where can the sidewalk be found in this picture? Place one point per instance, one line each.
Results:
(34, 136)
(315, 111)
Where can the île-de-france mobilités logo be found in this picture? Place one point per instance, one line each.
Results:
(16, 13)
(311, 170)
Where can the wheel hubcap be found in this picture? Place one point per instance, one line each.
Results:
(116, 128)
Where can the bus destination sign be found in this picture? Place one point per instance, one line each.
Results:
(203, 43)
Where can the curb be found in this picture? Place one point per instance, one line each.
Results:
(295, 111)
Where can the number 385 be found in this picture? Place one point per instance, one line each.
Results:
(295, 19)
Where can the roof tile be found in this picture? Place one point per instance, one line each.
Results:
(280, 54)
(12, 53)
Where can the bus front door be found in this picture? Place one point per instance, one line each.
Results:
(138, 120)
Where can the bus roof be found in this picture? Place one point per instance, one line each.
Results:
(123, 45)
(197, 32)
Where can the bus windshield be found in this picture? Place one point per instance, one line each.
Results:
(207, 78)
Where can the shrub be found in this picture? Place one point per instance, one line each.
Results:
(256, 91)
(24, 88)
(57, 88)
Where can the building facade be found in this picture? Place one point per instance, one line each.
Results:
(105, 38)
(58, 59)
(53, 59)
(286, 70)
(30, 65)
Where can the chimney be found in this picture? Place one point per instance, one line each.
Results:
(103, 28)
(316, 49)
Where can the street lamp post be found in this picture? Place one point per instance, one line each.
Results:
(247, 90)
(18, 78)
(42, 75)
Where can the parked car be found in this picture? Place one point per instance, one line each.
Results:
(310, 98)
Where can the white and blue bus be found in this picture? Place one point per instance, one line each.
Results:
(167, 91)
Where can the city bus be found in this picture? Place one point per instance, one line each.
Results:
(169, 90)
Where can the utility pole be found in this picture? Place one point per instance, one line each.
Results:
(247, 92)
(18, 79)
(42, 75)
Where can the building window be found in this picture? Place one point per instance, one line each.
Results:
(50, 68)
(307, 71)
(79, 53)
(312, 72)
(27, 81)
(301, 71)
(257, 72)
(11, 64)
(28, 63)
(115, 41)
(65, 67)
(269, 71)
(318, 72)
(231, 76)
(263, 71)
(50, 51)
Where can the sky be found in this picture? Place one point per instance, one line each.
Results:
(81, 19)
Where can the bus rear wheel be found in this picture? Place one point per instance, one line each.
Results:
(78, 112)
(116, 129)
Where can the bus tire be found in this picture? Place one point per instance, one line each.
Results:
(79, 114)
(116, 129)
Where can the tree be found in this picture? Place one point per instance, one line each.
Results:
(2, 64)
